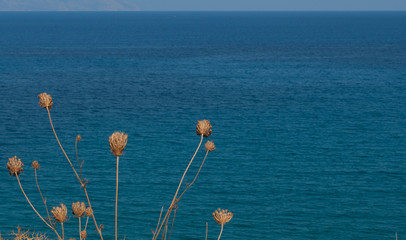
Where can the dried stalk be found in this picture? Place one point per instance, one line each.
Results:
(221, 231)
(39, 215)
(207, 229)
(74, 170)
(116, 197)
(80, 230)
(176, 194)
(43, 199)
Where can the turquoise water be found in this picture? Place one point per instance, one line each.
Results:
(308, 112)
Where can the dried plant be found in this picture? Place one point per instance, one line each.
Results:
(203, 128)
(222, 217)
(118, 141)
(45, 101)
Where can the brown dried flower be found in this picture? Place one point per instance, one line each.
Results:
(89, 211)
(78, 208)
(78, 138)
(222, 216)
(203, 127)
(83, 234)
(60, 213)
(210, 146)
(45, 101)
(35, 165)
(15, 166)
(117, 141)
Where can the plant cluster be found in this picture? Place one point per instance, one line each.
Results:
(58, 215)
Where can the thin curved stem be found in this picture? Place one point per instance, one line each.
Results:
(173, 221)
(118, 158)
(159, 219)
(87, 220)
(176, 194)
(221, 231)
(207, 229)
(77, 158)
(188, 186)
(39, 215)
(63, 232)
(80, 230)
(77, 176)
(43, 199)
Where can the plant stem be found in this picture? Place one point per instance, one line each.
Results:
(173, 220)
(87, 220)
(77, 158)
(80, 230)
(188, 186)
(43, 199)
(180, 183)
(159, 219)
(221, 231)
(118, 158)
(77, 176)
(207, 229)
(28, 200)
(63, 232)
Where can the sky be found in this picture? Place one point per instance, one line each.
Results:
(202, 5)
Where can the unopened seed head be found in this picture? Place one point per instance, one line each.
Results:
(15, 166)
(89, 211)
(35, 165)
(203, 128)
(78, 208)
(60, 213)
(222, 216)
(118, 141)
(45, 101)
(78, 138)
(210, 146)
(83, 234)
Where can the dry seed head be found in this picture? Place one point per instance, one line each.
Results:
(203, 127)
(60, 213)
(83, 234)
(89, 211)
(35, 165)
(117, 141)
(15, 166)
(78, 138)
(210, 146)
(222, 216)
(78, 208)
(45, 101)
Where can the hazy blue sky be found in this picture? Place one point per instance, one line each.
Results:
(197, 5)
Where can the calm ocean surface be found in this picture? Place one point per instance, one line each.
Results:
(308, 113)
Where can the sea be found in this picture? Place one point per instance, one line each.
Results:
(308, 115)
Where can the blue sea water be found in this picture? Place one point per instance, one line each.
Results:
(308, 112)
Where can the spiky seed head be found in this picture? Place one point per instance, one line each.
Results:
(15, 166)
(83, 234)
(35, 165)
(78, 138)
(210, 146)
(222, 216)
(60, 213)
(117, 141)
(45, 101)
(78, 208)
(89, 211)
(203, 127)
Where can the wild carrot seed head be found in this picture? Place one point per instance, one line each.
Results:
(203, 127)
(118, 141)
(78, 208)
(222, 216)
(35, 165)
(89, 211)
(210, 146)
(14, 166)
(78, 138)
(83, 234)
(60, 213)
(45, 101)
